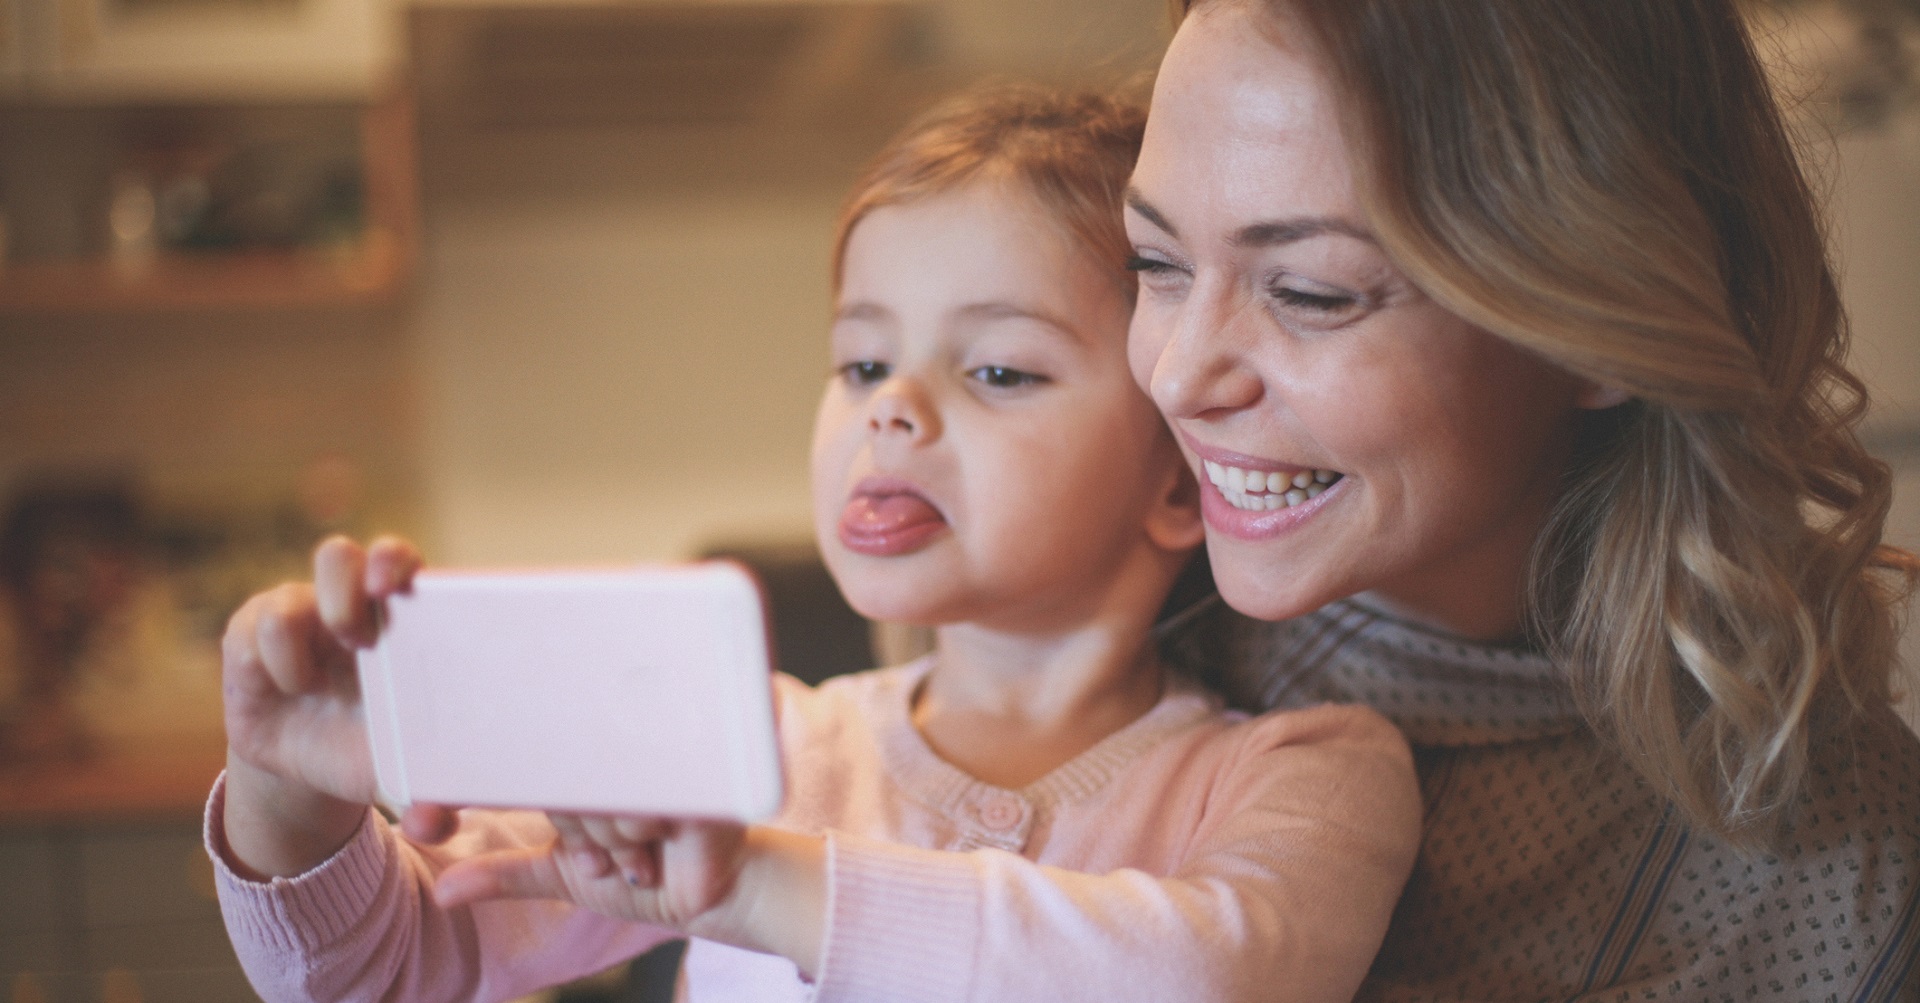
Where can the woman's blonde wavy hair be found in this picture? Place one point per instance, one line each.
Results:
(1610, 183)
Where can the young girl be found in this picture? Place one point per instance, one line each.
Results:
(1068, 819)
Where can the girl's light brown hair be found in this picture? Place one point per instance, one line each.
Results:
(1609, 183)
(1073, 152)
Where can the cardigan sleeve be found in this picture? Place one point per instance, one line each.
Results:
(363, 924)
(1293, 872)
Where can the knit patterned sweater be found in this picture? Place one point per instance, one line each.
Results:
(1549, 873)
(1193, 854)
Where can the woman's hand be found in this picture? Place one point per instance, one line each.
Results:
(750, 886)
(299, 773)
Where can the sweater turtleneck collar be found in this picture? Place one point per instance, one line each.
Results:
(1441, 690)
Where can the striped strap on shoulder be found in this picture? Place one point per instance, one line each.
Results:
(1639, 900)
(1889, 978)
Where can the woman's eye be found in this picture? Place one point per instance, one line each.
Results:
(865, 372)
(1005, 378)
(1159, 275)
(1294, 293)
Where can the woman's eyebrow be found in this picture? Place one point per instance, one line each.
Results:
(1138, 203)
(1259, 234)
(1290, 230)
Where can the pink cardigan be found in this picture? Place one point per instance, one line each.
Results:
(1193, 855)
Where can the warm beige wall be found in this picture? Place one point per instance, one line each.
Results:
(621, 377)
(1875, 183)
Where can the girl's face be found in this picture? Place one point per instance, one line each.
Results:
(1285, 349)
(982, 453)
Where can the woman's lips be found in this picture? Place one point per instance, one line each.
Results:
(1251, 524)
(887, 519)
(1251, 498)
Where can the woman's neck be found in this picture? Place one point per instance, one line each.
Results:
(1469, 620)
(1011, 708)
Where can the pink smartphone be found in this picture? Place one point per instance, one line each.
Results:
(642, 690)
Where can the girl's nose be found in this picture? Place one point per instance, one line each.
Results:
(1202, 365)
(899, 408)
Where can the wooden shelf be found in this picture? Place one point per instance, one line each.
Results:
(270, 280)
(370, 273)
(126, 783)
(372, 270)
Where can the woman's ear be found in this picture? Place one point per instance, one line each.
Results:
(1175, 523)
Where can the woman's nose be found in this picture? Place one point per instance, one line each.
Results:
(1202, 362)
(899, 408)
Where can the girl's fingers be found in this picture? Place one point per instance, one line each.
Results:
(642, 828)
(339, 573)
(572, 835)
(391, 564)
(602, 830)
(705, 861)
(602, 844)
(283, 627)
(638, 864)
(513, 874)
(427, 823)
(592, 861)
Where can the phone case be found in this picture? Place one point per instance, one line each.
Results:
(644, 690)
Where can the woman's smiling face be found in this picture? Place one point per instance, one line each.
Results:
(1422, 454)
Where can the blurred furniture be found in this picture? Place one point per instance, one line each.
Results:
(108, 895)
(816, 635)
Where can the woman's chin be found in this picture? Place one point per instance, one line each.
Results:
(1261, 591)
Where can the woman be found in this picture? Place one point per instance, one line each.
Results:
(1540, 286)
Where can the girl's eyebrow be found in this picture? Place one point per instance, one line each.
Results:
(862, 311)
(973, 313)
(1260, 234)
(1002, 310)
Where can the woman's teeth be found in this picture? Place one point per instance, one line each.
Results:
(1262, 490)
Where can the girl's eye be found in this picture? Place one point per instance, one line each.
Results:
(865, 372)
(1149, 265)
(1005, 378)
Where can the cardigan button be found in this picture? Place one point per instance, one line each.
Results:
(1000, 814)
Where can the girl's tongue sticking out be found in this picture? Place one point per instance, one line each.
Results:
(888, 521)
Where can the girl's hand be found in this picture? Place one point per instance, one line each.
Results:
(299, 773)
(752, 887)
